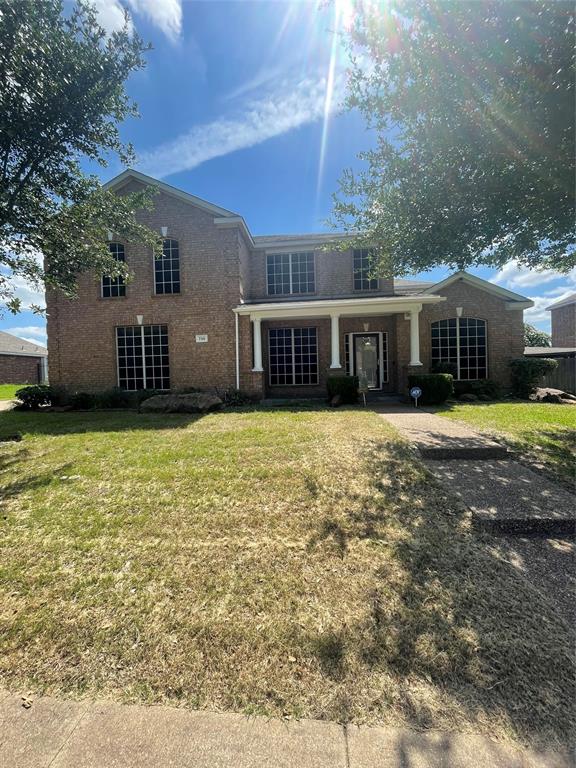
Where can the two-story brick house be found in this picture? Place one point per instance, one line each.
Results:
(271, 315)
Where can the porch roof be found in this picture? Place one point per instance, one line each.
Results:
(365, 305)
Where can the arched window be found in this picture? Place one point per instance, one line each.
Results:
(167, 268)
(461, 342)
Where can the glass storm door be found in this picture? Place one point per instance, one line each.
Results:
(367, 359)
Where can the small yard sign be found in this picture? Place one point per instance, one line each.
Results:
(416, 392)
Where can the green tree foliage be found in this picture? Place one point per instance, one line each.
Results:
(533, 337)
(471, 106)
(62, 99)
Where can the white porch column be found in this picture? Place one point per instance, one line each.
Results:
(256, 322)
(335, 339)
(414, 337)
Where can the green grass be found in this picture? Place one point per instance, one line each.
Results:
(544, 432)
(7, 391)
(283, 562)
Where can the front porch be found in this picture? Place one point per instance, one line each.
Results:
(297, 345)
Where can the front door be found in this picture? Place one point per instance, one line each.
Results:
(367, 359)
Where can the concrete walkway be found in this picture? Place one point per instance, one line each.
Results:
(503, 495)
(67, 734)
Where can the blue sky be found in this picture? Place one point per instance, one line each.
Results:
(239, 105)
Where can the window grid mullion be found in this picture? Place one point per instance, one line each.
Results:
(290, 272)
(458, 347)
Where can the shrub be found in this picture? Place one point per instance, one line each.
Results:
(480, 388)
(527, 372)
(83, 401)
(31, 398)
(235, 397)
(436, 387)
(445, 367)
(60, 395)
(115, 398)
(345, 386)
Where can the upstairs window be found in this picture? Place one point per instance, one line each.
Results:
(113, 287)
(143, 361)
(461, 342)
(167, 268)
(364, 267)
(290, 273)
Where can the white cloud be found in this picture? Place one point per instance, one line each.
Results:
(514, 275)
(164, 14)
(34, 333)
(110, 14)
(292, 105)
(528, 281)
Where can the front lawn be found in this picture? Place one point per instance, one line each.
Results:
(7, 391)
(543, 432)
(293, 563)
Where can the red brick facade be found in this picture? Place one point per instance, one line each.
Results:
(20, 369)
(564, 325)
(221, 268)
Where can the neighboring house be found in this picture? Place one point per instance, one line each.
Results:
(271, 315)
(21, 362)
(563, 316)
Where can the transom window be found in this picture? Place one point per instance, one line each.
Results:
(167, 268)
(293, 356)
(461, 342)
(364, 266)
(143, 361)
(114, 286)
(290, 273)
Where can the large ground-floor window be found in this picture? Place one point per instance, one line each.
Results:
(461, 342)
(293, 356)
(143, 361)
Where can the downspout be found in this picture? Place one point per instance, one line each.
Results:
(237, 351)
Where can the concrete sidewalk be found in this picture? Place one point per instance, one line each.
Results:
(67, 734)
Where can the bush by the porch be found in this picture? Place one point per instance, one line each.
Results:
(436, 387)
(527, 372)
(344, 386)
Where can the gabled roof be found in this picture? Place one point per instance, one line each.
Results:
(12, 345)
(410, 287)
(483, 285)
(564, 302)
(130, 174)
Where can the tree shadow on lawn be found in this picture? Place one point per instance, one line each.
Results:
(83, 422)
(449, 613)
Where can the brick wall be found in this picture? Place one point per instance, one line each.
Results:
(504, 327)
(564, 326)
(19, 369)
(81, 332)
(334, 276)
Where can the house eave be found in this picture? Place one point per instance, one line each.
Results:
(343, 307)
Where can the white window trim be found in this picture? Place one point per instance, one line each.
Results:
(103, 276)
(143, 356)
(291, 292)
(174, 239)
(465, 317)
(310, 384)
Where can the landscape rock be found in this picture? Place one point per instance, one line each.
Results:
(196, 402)
(468, 397)
(551, 395)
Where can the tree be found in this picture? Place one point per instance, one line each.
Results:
(533, 337)
(62, 98)
(471, 105)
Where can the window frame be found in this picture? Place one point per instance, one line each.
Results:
(362, 253)
(311, 255)
(458, 320)
(159, 260)
(114, 281)
(163, 329)
(293, 383)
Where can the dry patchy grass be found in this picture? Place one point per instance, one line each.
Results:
(277, 562)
